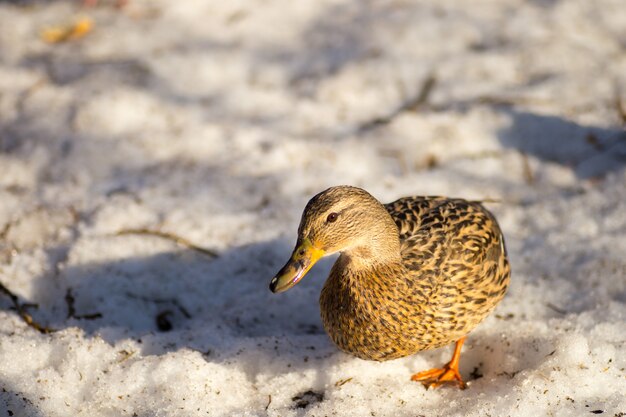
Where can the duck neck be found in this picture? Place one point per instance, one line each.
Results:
(366, 274)
(381, 248)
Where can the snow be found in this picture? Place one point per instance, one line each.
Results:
(217, 121)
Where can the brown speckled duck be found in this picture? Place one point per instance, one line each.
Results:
(415, 274)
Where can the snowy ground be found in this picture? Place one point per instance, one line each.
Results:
(217, 121)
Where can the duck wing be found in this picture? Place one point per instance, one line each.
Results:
(454, 251)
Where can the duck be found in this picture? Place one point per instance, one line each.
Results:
(415, 274)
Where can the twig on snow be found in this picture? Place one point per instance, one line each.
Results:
(71, 311)
(21, 311)
(555, 308)
(527, 170)
(342, 382)
(411, 105)
(169, 236)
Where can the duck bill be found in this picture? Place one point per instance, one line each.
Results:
(304, 256)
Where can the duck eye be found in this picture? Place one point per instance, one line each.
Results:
(332, 217)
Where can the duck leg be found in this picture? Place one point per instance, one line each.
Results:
(449, 373)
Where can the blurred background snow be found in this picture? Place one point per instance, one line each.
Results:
(217, 121)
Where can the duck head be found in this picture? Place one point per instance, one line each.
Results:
(340, 219)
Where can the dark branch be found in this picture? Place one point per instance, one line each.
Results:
(169, 236)
(410, 105)
(21, 311)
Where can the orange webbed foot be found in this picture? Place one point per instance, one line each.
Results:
(434, 378)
